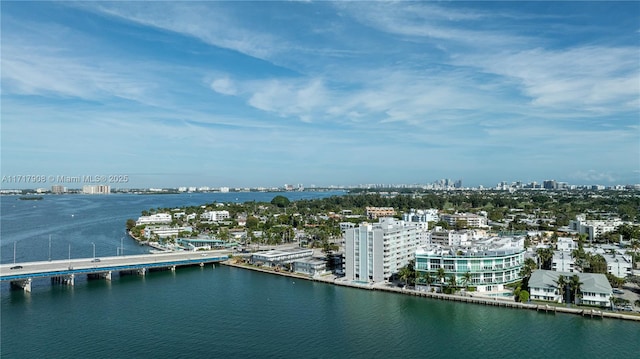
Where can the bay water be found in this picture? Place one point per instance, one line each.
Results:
(221, 311)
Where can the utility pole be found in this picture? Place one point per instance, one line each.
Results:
(14, 252)
(94, 250)
(49, 248)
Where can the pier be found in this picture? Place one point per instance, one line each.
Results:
(20, 275)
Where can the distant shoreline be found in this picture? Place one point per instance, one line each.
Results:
(499, 302)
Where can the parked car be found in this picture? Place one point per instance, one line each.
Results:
(617, 291)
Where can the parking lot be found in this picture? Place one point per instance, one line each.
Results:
(630, 292)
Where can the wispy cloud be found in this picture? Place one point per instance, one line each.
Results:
(420, 87)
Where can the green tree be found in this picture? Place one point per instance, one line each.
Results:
(466, 279)
(545, 255)
(252, 223)
(440, 274)
(561, 283)
(523, 296)
(575, 285)
(452, 283)
(405, 275)
(280, 201)
(130, 224)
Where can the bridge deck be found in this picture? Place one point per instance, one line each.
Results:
(56, 268)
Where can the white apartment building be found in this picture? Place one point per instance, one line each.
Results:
(421, 215)
(154, 218)
(215, 216)
(449, 238)
(594, 228)
(566, 244)
(563, 262)
(164, 231)
(472, 220)
(96, 189)
(374, 252)
(619, 265)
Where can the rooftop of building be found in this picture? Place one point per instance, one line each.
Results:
(487, 247)
(591, 282)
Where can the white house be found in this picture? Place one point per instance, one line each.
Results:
(595, 288)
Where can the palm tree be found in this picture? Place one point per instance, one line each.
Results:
(428, 278)
(440, 274)
(575, 284)
(405, 274)
(466, 279)
(561, 282)
(544, 255)
(453, 283)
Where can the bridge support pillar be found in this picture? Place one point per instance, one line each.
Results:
(106, 275)
(22, 284)
(69, 279)
(201, 264)
(173, 268)
(142, 271)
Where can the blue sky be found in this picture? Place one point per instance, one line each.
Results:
(267, 93)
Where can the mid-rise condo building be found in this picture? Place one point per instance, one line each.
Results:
(374, 252)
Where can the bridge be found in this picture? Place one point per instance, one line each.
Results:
(64, 271)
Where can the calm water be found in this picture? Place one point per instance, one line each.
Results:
(228, 312)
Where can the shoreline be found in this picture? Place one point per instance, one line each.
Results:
(545, 308)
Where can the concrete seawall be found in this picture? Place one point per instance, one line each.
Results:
(499, 302)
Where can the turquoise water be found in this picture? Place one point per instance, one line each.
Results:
(230, 312)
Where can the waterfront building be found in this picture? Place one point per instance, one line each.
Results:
(378, 212)
(594, 228)
(491, 263)
(97, 189)
(310, 266)
(470, 219)
(278, 257)
(194, 244)
(594, 288)
(165, 231)
(154, 218)
(374, 252)
(58, 189)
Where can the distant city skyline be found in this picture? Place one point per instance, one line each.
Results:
(249, 94)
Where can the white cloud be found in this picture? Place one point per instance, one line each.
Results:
(224, 86)
(602, 79)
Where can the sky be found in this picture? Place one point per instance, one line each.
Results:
(248, 94)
